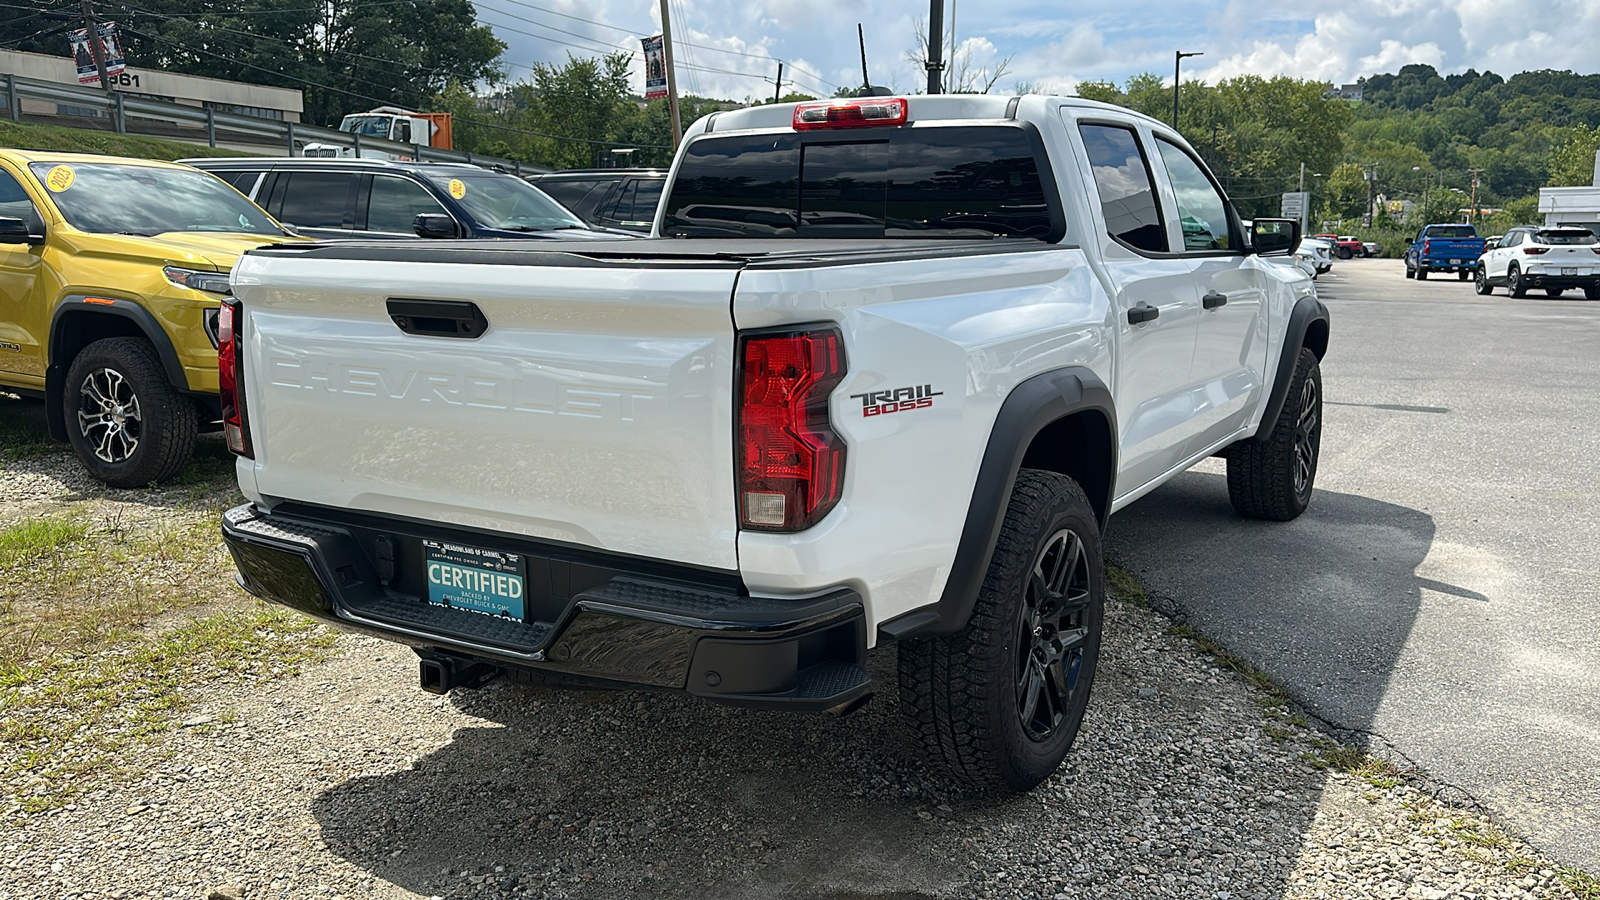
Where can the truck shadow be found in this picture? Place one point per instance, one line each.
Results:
(1324, 604)
(607, 795)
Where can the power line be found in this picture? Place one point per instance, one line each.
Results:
(462, 119)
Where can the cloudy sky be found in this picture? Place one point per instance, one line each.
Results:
(729, 48)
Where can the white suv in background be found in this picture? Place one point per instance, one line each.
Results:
(1553, 258)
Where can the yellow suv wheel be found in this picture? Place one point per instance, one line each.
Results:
(127, 425)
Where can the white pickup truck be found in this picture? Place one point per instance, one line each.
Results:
(880, 375)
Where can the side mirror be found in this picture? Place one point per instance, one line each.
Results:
(402, 131)
(1274, 237)
(435, 225)
(16, 231)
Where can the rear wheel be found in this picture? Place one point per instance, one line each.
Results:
(1514, 284)
(1273, 478)
(1554, 292)
(1422, 273)
(127, 425)
(1344, 253)
(1480, 281)
(1463, 274)
(1000, 702)
(1591, 293)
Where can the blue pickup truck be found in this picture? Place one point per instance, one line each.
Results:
(1444, 248)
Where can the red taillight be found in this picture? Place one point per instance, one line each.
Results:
(230, 377)
(791, 462)
(1427, 247)
(861, 112)
(1535, 251)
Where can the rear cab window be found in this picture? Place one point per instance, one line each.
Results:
(966, 181)
(1451, 231)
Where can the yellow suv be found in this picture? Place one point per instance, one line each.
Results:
(111, 271)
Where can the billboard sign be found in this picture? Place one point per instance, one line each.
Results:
(110, 51)
(655, 67)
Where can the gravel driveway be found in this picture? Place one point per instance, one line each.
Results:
(1187, 782)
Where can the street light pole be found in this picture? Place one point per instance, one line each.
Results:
(1178, 57)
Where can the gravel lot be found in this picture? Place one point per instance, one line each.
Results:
(1187, 781)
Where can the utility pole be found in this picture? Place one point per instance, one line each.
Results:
(95, 50)
(1475, 174)
(935, 46)
(1302, 177)
(777, 86)
(672, 78)
(1178, 57)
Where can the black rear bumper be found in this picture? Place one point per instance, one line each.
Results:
(615, 626)
(1563, 282)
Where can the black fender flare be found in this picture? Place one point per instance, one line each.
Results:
(1030, 407)
(1308, 313)
(55, 375)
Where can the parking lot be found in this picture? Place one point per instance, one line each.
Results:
(1430, 606)
(1439, 596)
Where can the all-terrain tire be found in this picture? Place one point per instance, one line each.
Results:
(128, 426)
(1480, 281)
(966, 695)
(1273, 478)
(1515, 286)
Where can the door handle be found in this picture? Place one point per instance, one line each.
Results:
(1213, 300)
(1142, 312)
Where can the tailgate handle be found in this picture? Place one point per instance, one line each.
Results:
(439, 318)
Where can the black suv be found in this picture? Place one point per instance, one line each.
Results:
(609, 198)
(374, 198)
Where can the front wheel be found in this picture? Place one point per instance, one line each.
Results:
(1000, 702)
(1344, 253)
(1480, 282)
(1272, 478)
(127, 425)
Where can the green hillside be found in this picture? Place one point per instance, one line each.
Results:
(24, 136)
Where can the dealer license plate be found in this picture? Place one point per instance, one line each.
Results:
(483, 581)
(1569, 271)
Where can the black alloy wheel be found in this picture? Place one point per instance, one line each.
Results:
(1052, 635)
(1307, 438)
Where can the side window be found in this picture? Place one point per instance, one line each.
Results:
(14, 203)
(396, 203)
(646, 197)
(1122, 176)
(578, 196)
(1201, 210)
(317, 199)
(1512, 239)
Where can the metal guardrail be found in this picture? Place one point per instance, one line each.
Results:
(195, 124)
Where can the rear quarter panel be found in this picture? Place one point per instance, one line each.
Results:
(966, 331)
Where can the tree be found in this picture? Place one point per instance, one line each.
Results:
(1574, 163)
(1345, 192)
(960, 75)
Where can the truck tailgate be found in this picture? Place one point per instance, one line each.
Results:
(595, 409)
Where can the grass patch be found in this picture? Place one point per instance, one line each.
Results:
(1125, 588)
(68, 722)
(1344, 758)
(27, 136)
(1584, 885)
(31, 539)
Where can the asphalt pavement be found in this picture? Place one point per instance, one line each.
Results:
(1438, 599)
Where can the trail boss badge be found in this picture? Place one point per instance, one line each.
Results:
(879, 403)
